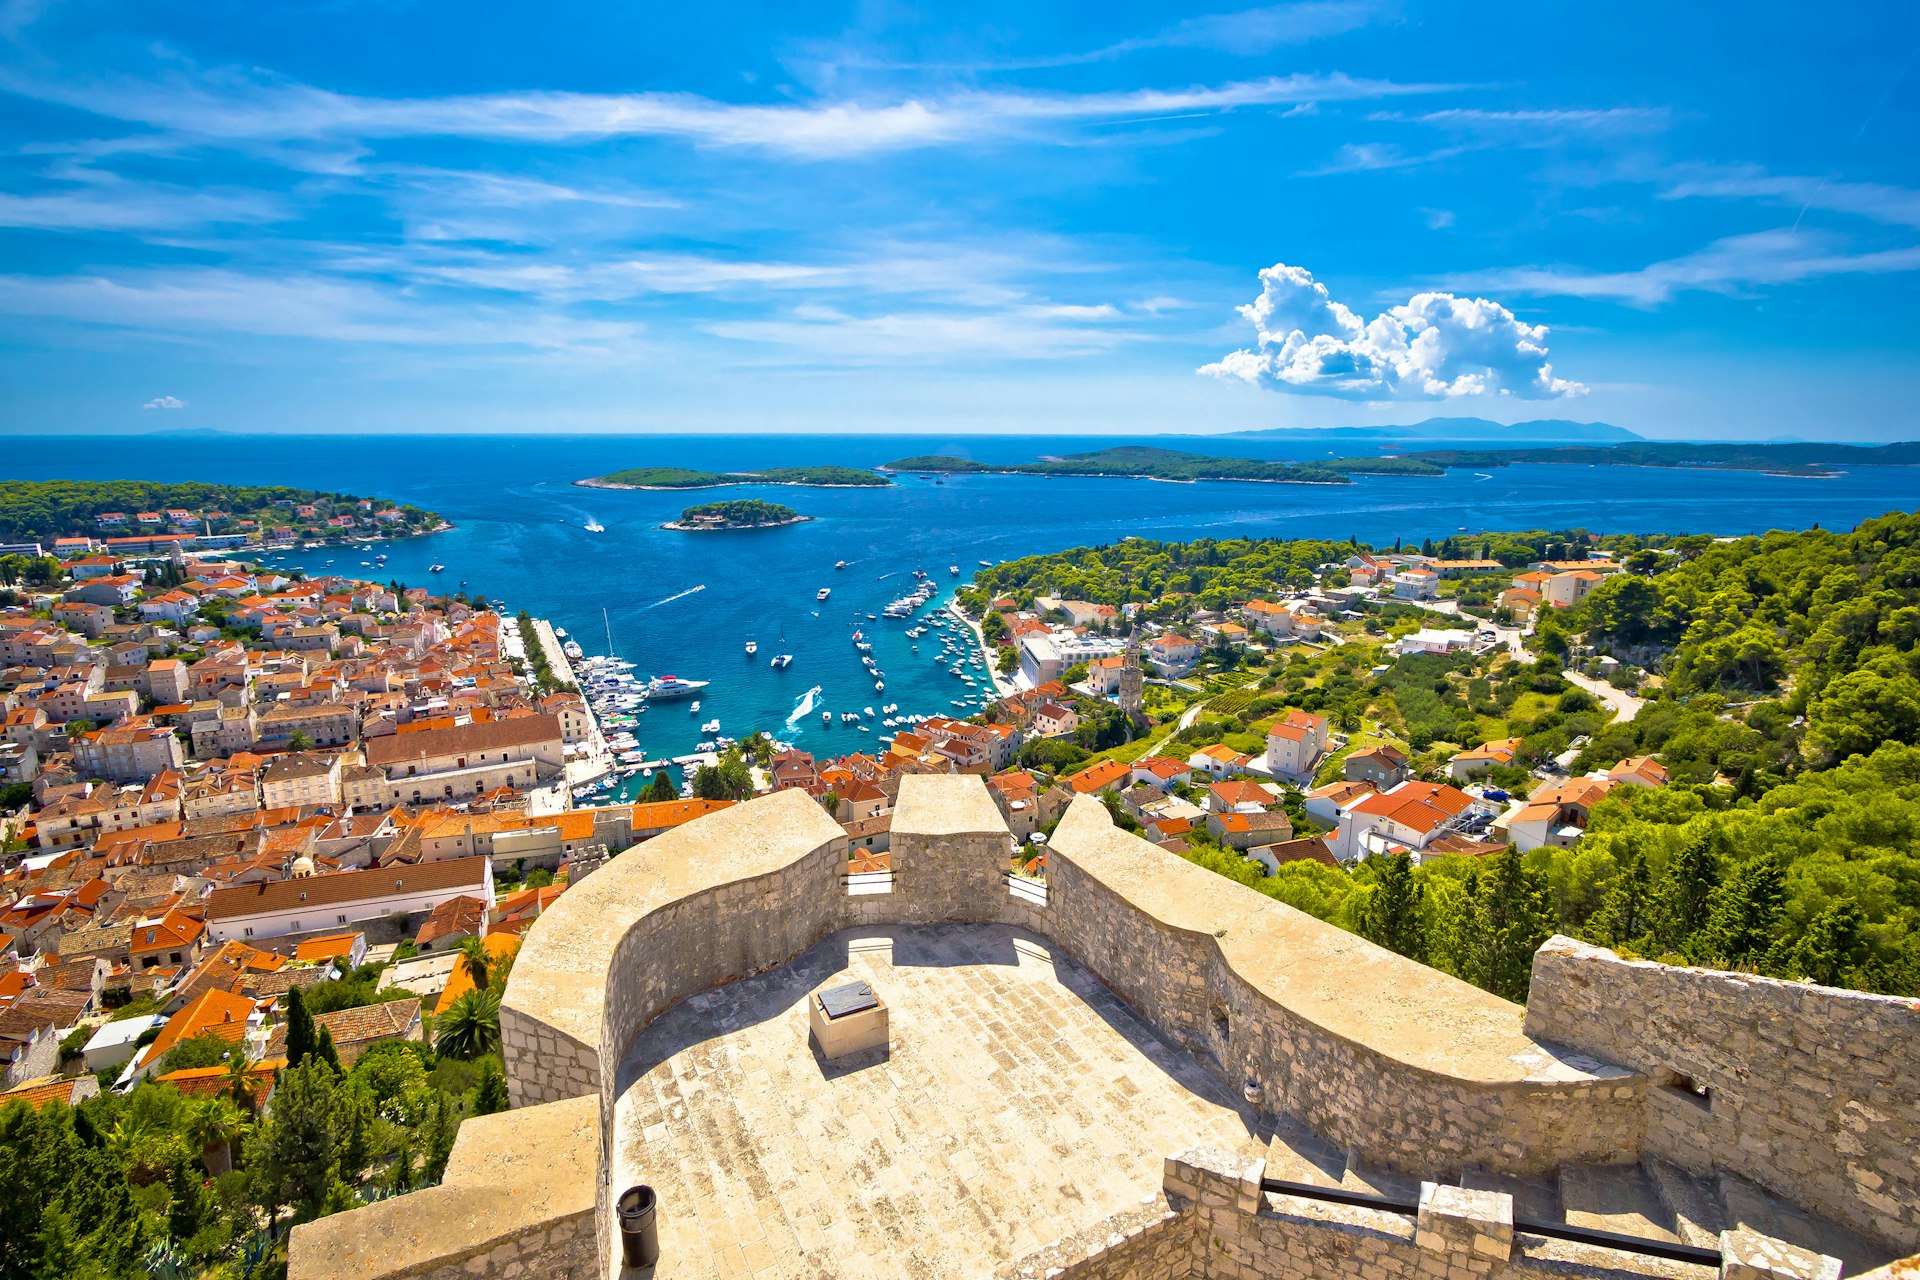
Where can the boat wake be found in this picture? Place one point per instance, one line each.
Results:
(594, 526)
(677, 596)
(804, 707)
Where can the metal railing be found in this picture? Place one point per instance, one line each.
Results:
(859, 883)
(1027, 889)
(1670, 1251)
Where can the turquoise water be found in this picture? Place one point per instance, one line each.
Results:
(686, 603)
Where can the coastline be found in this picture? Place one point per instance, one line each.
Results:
(1110, 475)
(596, 482)
(1001, 686)
(677, 527)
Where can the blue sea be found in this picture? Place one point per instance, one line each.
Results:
(686, 604)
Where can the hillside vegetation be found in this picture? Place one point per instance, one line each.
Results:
(41, 510)
(1782, 691)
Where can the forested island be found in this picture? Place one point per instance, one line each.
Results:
(741, 513)
(1143, 462)
(1777, 681)
(42, 510)
(1813, 460)
(826, 477)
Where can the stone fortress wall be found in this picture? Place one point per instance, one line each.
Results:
(1810, 1092)
(1395, 1061)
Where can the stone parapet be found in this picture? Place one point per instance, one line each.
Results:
(1402, 1063)
(517, 1201)
(950, 849)
(1811, 1092)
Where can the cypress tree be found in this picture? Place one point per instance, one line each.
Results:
(1393, 914)
(1625, 912)
(1746, 909)
(1686, 891)
(1834, 945)
(301, 1038)
(1515, 916)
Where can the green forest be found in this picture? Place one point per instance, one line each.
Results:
(1782, 687)
(687, 478)
(41, 510)
(739, 513)
(161, 1183)
(1159, 464)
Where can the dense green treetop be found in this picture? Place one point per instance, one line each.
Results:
(41, 510)
(740, 513)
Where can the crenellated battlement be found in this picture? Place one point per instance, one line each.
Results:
(1301, 1024)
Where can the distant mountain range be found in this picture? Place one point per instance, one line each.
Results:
(1546, 431)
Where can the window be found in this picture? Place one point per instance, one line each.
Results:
(341, 920)
(247, 932)
(1685, 1087)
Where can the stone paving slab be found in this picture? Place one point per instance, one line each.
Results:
(1020, 1102)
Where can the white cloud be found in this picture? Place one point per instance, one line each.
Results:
(1729, 265)
(232, 108)
(1435, 346)
(1896, 206)
(165, 402)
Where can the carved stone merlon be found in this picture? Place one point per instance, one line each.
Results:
(1748, 1255)
(1215, 1179)
(1455, 1220)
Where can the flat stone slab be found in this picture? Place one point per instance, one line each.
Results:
(1020, 1101)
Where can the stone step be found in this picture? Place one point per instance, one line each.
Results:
(1537, 1199)
(1615, 1197)
(1750, 1206)
(1296, 1154)
(1692, 1203)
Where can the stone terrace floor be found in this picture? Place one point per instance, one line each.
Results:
(1021, 1101)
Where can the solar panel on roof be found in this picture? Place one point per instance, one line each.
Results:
(849, 998)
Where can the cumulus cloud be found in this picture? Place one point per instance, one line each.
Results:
(165, 402)
(1434, 346)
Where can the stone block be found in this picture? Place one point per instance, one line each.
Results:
(1455, 1220)
(1748, 1255)
(1220, 1179)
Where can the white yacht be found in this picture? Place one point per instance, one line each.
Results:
(823, 593)
(665, 687)
(753, 647)
(781, 662)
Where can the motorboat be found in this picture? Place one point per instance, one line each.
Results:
(823, 593)
(753, 647)
(432, 568)
(838, 564)
(666, 687)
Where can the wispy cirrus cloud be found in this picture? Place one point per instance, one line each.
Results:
(1731, 265)
(225, 107)
(1878, 202)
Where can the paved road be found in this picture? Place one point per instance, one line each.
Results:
(1625, 706)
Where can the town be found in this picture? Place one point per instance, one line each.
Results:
(257, 818)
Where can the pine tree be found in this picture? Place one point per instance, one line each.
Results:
(1834, 945)
(1514, 915)
(1393, 915)
(1746, 909)
(1686, 891)
(442, 1128)
(1625, 914)
(301, 1037)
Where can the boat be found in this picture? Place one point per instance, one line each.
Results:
(432, 568)
(823, 593)
(781, 662)
(573, 650)
(694, 710)
(665, 687)
(826, 717)
(954, 570)
(986, 564)
(839, 564)
(753, 647)
(710, 727)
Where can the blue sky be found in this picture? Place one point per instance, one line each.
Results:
(1691, 220)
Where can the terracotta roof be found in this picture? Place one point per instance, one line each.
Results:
(1099, 774)
(345, 886)
(461, 916)
(337, 946)
(486, 735)
(216, 1012)
(1418, 806)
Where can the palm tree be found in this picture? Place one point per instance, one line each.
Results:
(471, 1026)
(238, 1082)
(212, 1124)
(475, 961)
